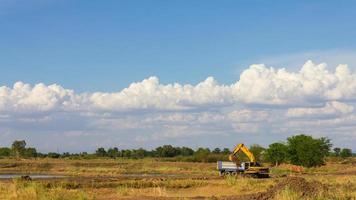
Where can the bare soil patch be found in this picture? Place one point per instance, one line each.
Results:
(297, 184)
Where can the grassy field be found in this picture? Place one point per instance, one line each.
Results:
(154, 179)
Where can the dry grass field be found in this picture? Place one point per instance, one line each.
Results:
(154, 179)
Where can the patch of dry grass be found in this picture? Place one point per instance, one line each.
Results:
(102, 178)
(21, 190)
(288, 194)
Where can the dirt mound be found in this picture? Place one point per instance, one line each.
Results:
(291, 168)
(297, 184)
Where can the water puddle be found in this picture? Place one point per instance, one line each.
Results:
(150, 175)
(33, 176)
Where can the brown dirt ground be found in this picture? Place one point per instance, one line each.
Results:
(297, 184)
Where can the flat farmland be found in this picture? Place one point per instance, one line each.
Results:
(156, 179)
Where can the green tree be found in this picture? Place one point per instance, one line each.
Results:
(276, 153)
(126, 153)
(217, 150)
(337, 151)
(139, 153)
(201, 154)
(226, 151)
(186, 151)
(113, 152)
(101, 152)
(257, 151)
(18, 147)
(5, 152)
(306, 151)
(66, 155)
(30, 152)
(346, 153)
(166, 151)
(53, 155)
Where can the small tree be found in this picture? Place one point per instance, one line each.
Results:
(65, 155)
(337, 151)
(18, 147)
(113, 152)
(217, 150)
(202, 154)
(306, 151)
(186, 151)
(30, 152)
(53, 155)
(100, 152)
(226, 151)
(139, 153)
(346, 153)
(5, 152)
(276, 153)
(126, 153)
(166, 151)
(257, 151)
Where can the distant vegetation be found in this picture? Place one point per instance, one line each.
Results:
(299, 150)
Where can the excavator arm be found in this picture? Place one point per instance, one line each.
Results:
(245, 150)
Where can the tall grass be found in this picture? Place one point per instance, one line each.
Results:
(248, 185)
(288, 194)
(23, 190)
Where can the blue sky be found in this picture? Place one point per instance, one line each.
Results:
(104, 46)
(68, 67)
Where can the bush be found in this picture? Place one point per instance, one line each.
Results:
(167, 151)
(100, 152)
(346, 153)
(202, 154)
(30, 153)
(277, 153)
(306, 151)
(18, 148)
(258, 151)
(53, 155)
(5, 152)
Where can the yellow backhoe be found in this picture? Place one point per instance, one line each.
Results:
(251, 168)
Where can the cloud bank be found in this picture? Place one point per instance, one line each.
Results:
(257, 85)
(264, 99)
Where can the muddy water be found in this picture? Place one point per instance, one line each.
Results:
(33, 176)
(151, 175)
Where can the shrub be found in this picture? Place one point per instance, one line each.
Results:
(276, 153)
(306, 151)
(346, 153)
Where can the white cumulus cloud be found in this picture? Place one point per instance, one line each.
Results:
(330, 108)
(264, 99)
(257, 85)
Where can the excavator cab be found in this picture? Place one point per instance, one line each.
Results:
(245, 165)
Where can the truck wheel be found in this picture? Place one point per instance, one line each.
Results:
(263, 175)
(255, 175)
(222, 173)
(234, 173)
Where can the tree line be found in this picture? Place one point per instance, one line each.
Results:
(301, 150)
